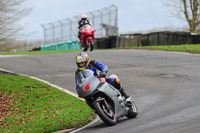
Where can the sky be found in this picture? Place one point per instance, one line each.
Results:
(133, 15)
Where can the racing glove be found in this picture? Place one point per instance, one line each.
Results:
(102, 75)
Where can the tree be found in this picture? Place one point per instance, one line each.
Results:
(188, 11)
(11, 12)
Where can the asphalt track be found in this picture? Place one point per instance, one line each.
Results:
(164, 85)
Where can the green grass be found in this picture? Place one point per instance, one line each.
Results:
(28, 105)
(192, 48)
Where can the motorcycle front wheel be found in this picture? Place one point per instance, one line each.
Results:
(90, 44)
(84, 49)
(105, 112)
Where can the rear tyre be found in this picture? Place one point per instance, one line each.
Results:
(132, 112)
(106, 114)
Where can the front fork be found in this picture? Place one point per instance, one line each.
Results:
(89, 38)
(104, 100)
(99, 99)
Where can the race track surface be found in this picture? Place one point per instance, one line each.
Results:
(164, 85)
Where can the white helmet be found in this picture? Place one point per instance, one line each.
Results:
(83, 16)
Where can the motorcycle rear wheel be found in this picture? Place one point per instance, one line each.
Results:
(106, 114)
(132, 112)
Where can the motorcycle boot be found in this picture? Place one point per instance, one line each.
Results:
(128, 99)
(122, 91)
(79, 35)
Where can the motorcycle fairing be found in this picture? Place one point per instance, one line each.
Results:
(111, 92)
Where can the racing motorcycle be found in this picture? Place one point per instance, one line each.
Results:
(87, 37)
(102, 97)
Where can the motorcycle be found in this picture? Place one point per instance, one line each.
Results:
(102, 97)
(87, 37)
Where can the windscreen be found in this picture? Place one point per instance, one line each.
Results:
(87, 26)
(83, 75)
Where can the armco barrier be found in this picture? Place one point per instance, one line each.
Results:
(157, 38)
(70, 45)
(154, 38)
(129, 40)
(67, 45)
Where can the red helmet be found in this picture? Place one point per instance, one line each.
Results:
(83, 16)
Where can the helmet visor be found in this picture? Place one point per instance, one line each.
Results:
(84, 19)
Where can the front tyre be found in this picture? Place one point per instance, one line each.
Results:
(85, 49)
(105, 113)
(90, 44)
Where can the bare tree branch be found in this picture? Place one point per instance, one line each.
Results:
(187, 11)
(11, 12)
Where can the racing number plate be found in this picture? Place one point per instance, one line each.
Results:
(86, 86)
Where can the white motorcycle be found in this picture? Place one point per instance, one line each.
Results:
(106, 100)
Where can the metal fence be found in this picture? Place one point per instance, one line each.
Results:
(105, 22)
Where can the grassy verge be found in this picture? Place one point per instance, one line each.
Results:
(193, 48)
(28, 105)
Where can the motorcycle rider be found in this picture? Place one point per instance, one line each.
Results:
(83, 62)
(81, 23)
